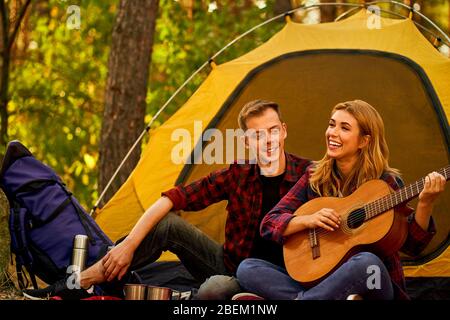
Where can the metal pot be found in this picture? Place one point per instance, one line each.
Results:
(135, 291)
(158, 293)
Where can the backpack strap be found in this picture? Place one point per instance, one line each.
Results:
(81, 215)
(21, 251)
(22, 278)
(38, 223)
(34, 185)
(33, 277)
(86, 225)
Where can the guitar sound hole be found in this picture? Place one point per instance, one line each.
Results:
(356, 218)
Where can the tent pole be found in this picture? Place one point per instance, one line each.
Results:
(416, 12)
(399, 16)
(117, 170)
(342, 15)
(147, 128)
(141, 136)
(301, 7)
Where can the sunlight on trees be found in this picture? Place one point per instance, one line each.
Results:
(58, 74)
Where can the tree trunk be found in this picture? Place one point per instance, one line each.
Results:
(327, 13)
(126, 89)
(417, 18)
(4, 99)
(4, 81)
(281, 6)
(340, 9)
(4, 235)
(7, 41)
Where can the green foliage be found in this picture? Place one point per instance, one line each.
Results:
(439, 12)
(57, 86)
(58, 77)
(182, 45)
(57, 90)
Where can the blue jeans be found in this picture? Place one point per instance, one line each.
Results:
(355, 276)
(202, 256)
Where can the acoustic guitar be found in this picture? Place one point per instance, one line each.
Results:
(373, 218)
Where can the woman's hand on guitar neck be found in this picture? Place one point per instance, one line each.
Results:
(434, 186)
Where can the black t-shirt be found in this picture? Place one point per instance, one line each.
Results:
(262, 248)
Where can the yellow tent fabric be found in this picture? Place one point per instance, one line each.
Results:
(307, 69)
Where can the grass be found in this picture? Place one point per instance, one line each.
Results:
(7, 289)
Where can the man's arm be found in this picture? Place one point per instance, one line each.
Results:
(195, 196)
(117, 261)
(203, 192)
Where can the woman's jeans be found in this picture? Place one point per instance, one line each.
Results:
(363, 274)
(200, 255)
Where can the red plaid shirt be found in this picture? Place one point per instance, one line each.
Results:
(276, 221)
(240, 185)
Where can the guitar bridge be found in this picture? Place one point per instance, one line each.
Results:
(314, 243)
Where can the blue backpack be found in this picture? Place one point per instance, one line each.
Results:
(44, 218)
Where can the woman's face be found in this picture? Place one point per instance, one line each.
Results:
(343, 137)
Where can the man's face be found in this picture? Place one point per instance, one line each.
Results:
(265, 136)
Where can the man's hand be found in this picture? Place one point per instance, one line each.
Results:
(117, 261)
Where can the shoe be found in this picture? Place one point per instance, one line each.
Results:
(354, 297)
(246, 296)
(182, 295)
(58, 289)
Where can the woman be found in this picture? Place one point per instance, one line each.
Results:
(356, 153)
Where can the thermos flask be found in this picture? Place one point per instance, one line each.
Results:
(80, 251)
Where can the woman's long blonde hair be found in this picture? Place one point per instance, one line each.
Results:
(372, 160)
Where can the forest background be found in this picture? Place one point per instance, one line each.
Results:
(81, 79)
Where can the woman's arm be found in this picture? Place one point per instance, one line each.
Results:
(434, 186)
(421, 227)
(326, 218)
(280, 221)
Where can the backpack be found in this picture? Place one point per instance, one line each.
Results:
(44, 218)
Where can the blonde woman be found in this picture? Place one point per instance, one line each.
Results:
(356, 153)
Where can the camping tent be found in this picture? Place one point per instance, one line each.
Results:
(307, 69)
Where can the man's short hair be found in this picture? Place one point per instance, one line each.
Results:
(256, 108)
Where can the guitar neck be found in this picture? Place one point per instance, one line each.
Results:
(400, 196)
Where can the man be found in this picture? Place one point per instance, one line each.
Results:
(251, 191)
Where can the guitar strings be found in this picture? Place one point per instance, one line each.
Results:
(376, 208)
(324, 232)
(367, 211)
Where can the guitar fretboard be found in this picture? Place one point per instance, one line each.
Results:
(400, 196)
